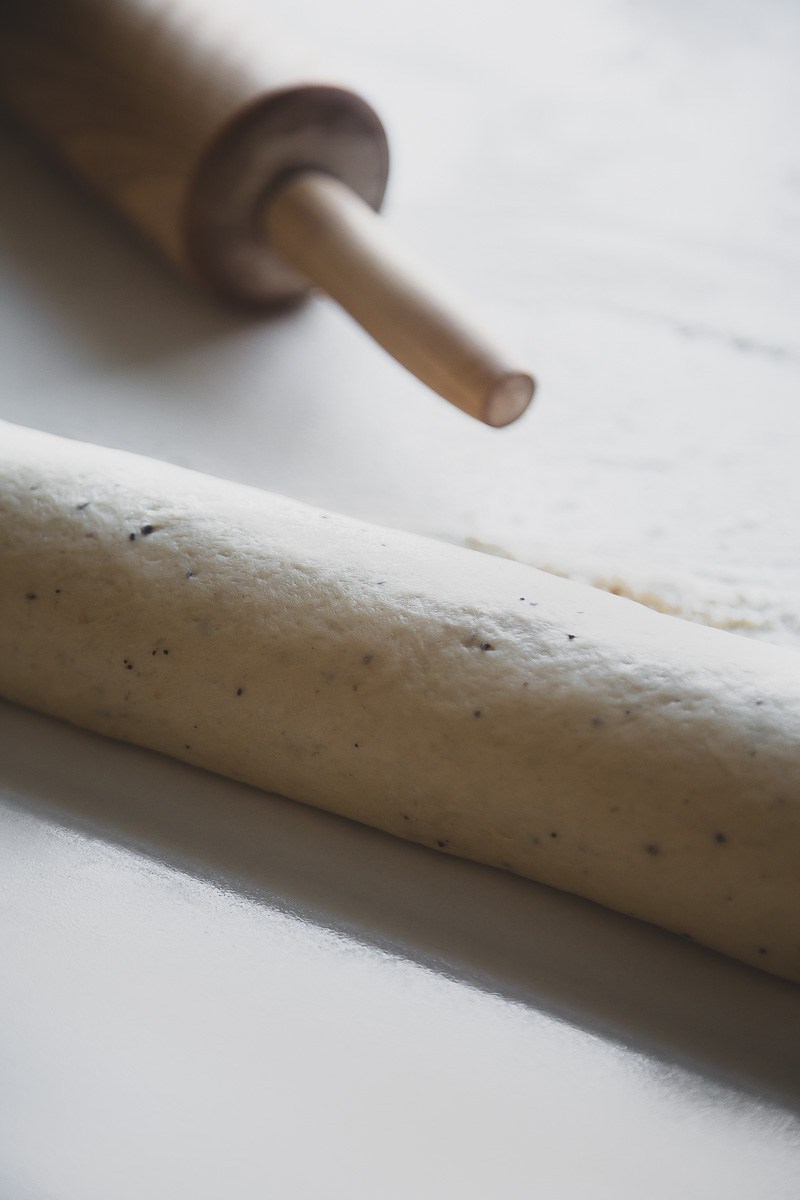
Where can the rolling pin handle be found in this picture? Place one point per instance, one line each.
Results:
(339, 243)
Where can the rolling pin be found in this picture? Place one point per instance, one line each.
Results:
(246, 176)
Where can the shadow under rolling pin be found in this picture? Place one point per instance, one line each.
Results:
(251, 181)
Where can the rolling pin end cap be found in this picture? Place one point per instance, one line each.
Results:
(508, 397)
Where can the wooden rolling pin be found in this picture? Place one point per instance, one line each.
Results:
(246, 176)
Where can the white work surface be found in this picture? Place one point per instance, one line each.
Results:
(207, 991)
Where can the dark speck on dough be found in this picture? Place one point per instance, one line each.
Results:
(487, 646)
(80, 507)
(189, 574)
(441, 844)
(554, 833)
(406, 817)
(131, 537)
(165, 651)
(58, 591)
(367, 659)
(146, 529)
(477, 712)
(597, 720)
(239, 691)
(759, 703)
(30, 595)
(720, 839)
(571, 637)
(762, 949)
(653, 848)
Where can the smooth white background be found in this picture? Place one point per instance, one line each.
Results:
(206, 991)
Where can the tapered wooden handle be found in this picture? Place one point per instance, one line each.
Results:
(339, 243)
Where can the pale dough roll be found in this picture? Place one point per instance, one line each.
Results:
(472, 704)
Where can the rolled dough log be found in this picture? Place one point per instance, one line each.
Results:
(475, 705)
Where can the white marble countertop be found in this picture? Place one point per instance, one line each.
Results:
(207, 991)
